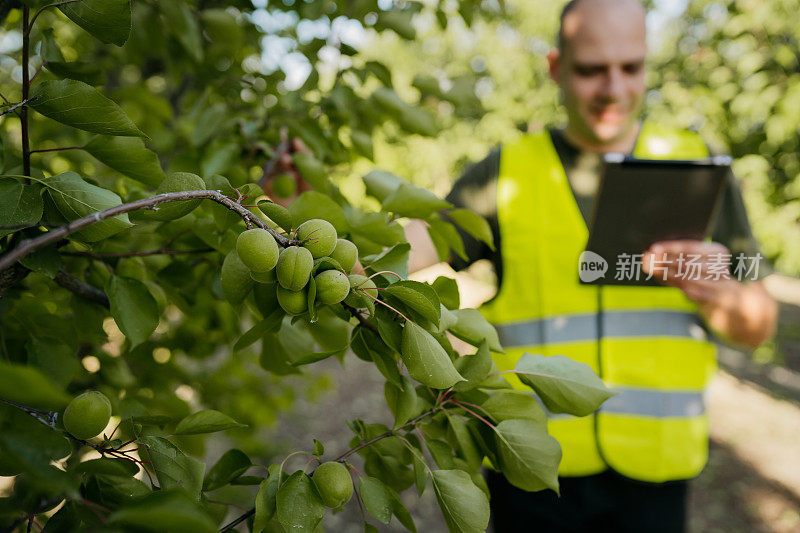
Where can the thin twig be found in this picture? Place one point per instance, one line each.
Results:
(138, 254)
(30, 245)
(15, 106)
(389, 433)
(239, 520)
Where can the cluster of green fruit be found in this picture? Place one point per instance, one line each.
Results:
(321, 256)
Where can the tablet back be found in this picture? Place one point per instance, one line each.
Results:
(644, 201)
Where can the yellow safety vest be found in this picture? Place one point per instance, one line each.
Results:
(647, 343)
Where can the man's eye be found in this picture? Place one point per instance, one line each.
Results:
(588, 71)
(632, 68)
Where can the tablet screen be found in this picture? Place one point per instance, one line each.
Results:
(644, 201)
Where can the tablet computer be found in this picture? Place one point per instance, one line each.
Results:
(643, 201)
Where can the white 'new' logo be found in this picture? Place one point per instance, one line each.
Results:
(591, 267)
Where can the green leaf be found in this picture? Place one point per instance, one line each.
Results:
(507, 405)
(376, 498)
(29, 445)
(447, 290)
(465, 507)
(313, 204)
(467, 448)
(413, 202)
(395, 259)
(402, 401)
(231, 465)
(81, 106)
(299, 506)
(129, 156)
(107, 20)
(266, 498)
(133, 307)
(182, 24)
(54, 62)
(474, 224)
(418, 296)
(426, 360)
(45, 260)
(563, 384)
(379, 228)
(107, 466)
(528, 456)
(54, 358)
(444, 233)
(474, 368)
(311, 169)
(165, 510)
(20, 205)
(319, 449)
(276, 213)
(76, 198)
(173, 468)
(473, 328)
(381, 183)
(208, 421)
(270, 324)
(29, 386)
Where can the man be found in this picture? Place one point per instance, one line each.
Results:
(624, 468)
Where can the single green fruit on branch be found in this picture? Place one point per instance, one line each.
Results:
(345, 253)
(177, 182)
(332, 287)
(294, 268)
(318, 237)
(257, 250)
(87, 415)
(293, 302)
(333, 484)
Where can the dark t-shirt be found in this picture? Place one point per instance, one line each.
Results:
(477, 190)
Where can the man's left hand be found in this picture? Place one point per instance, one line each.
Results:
(742, 312)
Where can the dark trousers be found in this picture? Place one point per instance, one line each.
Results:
(602, 502)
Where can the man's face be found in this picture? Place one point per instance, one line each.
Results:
(601, 72)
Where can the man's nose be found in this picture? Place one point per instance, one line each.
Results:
(614, 86)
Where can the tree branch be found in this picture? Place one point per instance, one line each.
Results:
(390, 433)
(15, 106)
(81, 288)
(28, 246)
(238, 520)
(344, 456)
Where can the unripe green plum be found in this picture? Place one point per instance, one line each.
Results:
(332, 287)
(318, 236)
(87, 415)
(176, 182)
(235, 278)
(333, 484)
(358, 284)
(283, 186)
(293, 302)
(345, 253)
(257, 249)
(294, 268)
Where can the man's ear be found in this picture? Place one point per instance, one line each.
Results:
(554, 63)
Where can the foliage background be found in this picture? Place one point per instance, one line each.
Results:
(727, 68)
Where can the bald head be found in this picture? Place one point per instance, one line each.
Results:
(580, 15)
(599, 66)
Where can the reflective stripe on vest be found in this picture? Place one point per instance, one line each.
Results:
(652, 348)
(576, 328)
(652, 403)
